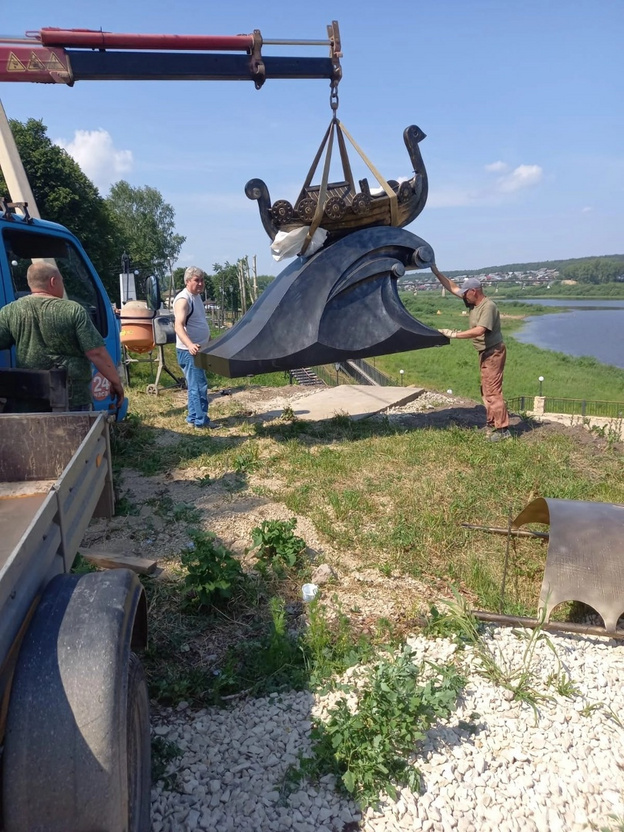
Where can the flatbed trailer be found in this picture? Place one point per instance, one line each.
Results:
(74, 715)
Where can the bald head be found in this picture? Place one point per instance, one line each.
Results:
(44, 277)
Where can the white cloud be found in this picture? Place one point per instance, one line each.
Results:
(97, 156)
(524, 176)
(587, 209)
(499, 184)
(497, 167)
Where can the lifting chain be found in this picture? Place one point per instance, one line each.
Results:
(333, 96)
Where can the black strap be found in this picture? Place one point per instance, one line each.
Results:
(191, 312)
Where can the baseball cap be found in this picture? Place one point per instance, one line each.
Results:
(469, 283)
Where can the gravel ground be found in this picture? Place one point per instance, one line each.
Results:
(557, 768)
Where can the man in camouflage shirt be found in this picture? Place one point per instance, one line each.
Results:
(50, 331)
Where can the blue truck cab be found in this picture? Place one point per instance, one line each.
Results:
(24, 239)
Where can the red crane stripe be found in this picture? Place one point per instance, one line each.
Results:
(92, 39)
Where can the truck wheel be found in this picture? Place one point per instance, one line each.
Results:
(138, 749)
(77, 743)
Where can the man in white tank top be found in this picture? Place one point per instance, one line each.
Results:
(192, 336)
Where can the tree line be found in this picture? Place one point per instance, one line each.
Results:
(594, 270)
(607, 268)
(135, 221)
(131, 220)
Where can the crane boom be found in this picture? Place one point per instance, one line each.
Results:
(64, 56)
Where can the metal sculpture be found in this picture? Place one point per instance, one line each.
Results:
(585, 560)
(340, 303)
(343, 208)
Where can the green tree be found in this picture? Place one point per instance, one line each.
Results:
(64, 194)
(225, 288)
(263, 281)
(593, 269)
(178, 279)
(147, 227)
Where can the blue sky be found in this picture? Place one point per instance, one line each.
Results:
(521, 104)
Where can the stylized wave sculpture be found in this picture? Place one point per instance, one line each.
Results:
(340, 303)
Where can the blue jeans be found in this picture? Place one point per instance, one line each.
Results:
(197, 389)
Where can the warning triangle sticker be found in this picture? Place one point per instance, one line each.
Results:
(35, 64)
(54, 65)
(14, 64)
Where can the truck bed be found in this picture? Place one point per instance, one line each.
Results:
(19, 503)
(55, 474)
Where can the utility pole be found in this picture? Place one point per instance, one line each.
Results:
(241, 284)
(255, 280)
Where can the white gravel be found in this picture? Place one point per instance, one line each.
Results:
(559, 769)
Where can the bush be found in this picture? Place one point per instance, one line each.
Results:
(213, 573)
(277, 544)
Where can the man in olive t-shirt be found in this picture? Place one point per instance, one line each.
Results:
(485, 333)
(50, 331)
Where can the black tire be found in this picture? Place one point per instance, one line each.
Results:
(138, 749)
(78, 718)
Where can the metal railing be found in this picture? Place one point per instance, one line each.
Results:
(520, 404)
(306, 376)
(582, 407)
(366, 373)
(571, 407)
(330, 376)
(353, 371)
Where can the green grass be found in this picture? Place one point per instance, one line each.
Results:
(393, 496)
(389, 496)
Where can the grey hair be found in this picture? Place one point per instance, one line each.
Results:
(193, 271)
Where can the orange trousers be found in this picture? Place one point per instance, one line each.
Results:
(491, 366)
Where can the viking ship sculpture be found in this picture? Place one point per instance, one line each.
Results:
(342, 301)
(340, 207)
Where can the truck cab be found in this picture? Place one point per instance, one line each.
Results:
(24, 239)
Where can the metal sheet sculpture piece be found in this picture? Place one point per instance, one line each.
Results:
(585, 560)
(340, 303)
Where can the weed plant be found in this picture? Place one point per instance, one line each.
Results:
(212, 573)
(277, 546)
(164, 752)
(332, 646)
(274, 661)
(367, 744)
(280, 657)
(518, 675)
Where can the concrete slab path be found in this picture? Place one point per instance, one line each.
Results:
(354, 400)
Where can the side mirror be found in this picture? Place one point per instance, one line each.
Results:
(152, 293)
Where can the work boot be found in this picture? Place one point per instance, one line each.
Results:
(499, 435)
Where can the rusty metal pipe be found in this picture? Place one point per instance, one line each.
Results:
(93, 39)
(549, 626)
(506, 532)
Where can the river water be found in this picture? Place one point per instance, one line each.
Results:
(589, 327)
